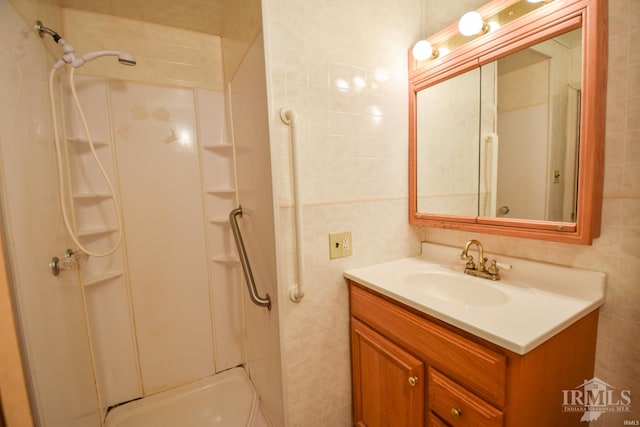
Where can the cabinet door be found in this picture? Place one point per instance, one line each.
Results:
(388, 382)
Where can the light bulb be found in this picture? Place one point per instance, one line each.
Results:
(422, 50)
(470, 24)
(493, 26)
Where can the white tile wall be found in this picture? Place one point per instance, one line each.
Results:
(342, 67)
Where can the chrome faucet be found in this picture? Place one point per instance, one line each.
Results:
(479, 269)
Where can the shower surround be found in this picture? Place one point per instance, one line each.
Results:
(161, 145)
(166, 308)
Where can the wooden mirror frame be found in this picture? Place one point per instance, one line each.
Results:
(548, 21)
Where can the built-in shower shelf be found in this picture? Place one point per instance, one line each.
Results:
(102, 278)
(83, 141)
(221, 191)
(219, 220)
(91, 232)
(92, 196)
(217, 147)
(225, 259)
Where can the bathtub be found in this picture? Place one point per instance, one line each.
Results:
(225, 399)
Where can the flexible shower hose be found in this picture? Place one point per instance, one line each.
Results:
(60, 165)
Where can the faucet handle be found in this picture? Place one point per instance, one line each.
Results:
(493, 268)
(470, 264)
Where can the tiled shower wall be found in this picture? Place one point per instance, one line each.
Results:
(165, 55)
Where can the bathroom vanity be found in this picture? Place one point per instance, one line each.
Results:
(432, 346)
(425, 355)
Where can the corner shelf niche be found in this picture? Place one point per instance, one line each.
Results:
(220, 148)
(102, 278)
(85, 142)
(226, 259)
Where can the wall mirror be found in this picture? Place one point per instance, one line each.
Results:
(507, 130)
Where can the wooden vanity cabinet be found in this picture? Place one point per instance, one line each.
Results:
(410, 369)
(390, 381)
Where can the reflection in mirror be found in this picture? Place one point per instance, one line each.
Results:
(447, 132)
(502, 141)
(537, 117)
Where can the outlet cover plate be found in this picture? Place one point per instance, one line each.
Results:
(340, 245)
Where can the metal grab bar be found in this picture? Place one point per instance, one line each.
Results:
(246, 268)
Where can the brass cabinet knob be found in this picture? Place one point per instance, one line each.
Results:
(413, 381)
(456, 413)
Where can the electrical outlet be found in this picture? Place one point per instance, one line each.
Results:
(340, 245)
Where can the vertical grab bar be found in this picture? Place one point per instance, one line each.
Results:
(290, 118)
(246, 268)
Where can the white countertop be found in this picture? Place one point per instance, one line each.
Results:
(536, 300)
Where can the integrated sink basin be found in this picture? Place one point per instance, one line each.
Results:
(456, 288)
(531, 303)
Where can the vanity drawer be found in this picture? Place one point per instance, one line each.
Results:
(459, 407)
(475, 366)
(435, 421)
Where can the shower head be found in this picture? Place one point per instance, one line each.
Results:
(42, 30)
(123, 57)
(126, 59)
(69, 56)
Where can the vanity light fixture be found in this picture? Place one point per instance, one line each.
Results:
(493, 25)
(423, 50)
(472, 24)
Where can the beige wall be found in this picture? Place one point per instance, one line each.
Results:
(242, 25)
(46, 11)
(165, 55)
